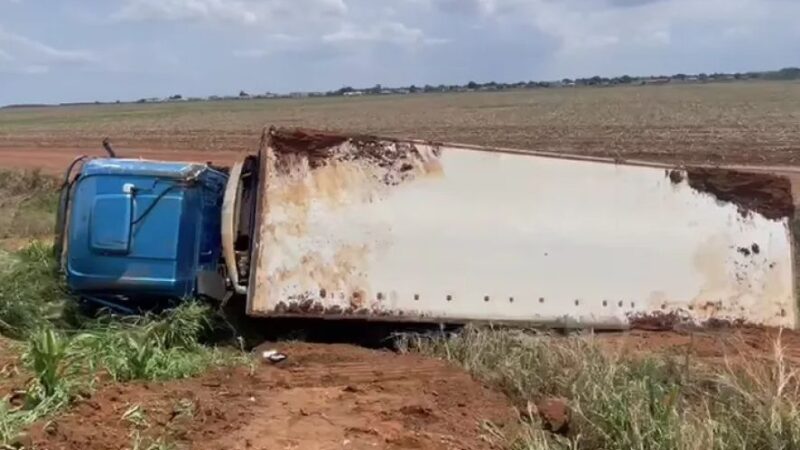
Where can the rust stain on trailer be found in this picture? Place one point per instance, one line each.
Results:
(710, 260)
(734, 284)
(338, 277)
(311, 175)
(724, 278)
(294, 193)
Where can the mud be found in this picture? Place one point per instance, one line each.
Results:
(658, 321)
(316, 145)
(319, 148)
(767, 194)
(309, 306)
(682, 321)
(675, 176)
(321, 397)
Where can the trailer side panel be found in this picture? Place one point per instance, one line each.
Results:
(411, 231)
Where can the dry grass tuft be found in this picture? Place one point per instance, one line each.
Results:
(28, 201)
(620, 401)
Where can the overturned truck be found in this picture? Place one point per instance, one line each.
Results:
(360, 227)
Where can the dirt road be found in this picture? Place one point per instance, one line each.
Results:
(55, 160)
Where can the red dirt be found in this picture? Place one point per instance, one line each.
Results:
(55, 160)
(313, 143)
(708, 345)
(768, 194)
(13, 377)
(555, 414)
(322, 397)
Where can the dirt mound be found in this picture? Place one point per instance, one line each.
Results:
(321, 397)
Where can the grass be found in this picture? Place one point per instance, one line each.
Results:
(153, 347)
(620, 401)
(66, 364)
(32, 294)
(28, 202)
(68, 354)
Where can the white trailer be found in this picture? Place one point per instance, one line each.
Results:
(322, 225)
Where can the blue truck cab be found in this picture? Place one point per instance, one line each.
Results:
(139, 232)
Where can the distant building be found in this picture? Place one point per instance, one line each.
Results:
(656, 81)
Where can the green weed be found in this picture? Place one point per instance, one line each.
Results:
(50, 389)
(32, 294)
(66, 352)
(152, 347)
(48, 356)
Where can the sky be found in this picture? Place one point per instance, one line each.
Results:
(104, 50)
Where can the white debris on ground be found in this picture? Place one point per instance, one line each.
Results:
(273, 356)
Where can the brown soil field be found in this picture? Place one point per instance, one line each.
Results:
(737, 123)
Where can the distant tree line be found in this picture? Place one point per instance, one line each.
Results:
(788, 73)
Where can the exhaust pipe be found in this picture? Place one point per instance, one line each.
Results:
(107, 147)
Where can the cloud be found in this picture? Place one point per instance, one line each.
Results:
(344, 39)
(586, 25)
(632, 2)
(199, 47)
(273, 44)
(19, 54)
(240, 12)
(384, 32)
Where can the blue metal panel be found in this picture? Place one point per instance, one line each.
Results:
(143, 229)
(110, 224)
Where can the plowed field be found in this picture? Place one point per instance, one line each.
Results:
(738, 123)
